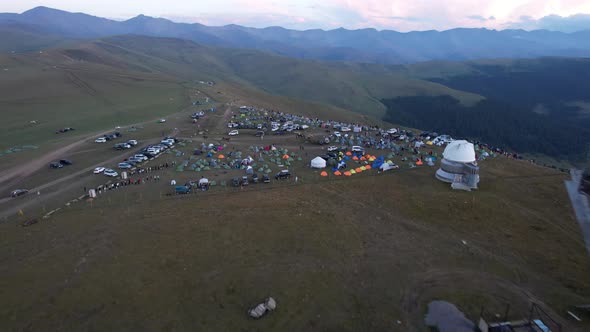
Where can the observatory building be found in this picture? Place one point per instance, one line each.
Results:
(459, 166)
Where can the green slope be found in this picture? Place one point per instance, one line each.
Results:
(358, 87)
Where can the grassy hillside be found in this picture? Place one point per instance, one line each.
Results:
(41, 87)
(358, 87)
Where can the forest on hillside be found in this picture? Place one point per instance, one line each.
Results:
(494, 122)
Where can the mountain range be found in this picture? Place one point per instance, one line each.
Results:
(365, 45)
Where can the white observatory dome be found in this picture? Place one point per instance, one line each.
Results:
(460, 151)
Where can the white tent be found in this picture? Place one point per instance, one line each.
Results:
(203, 181)
(318, 162)
(386, 167)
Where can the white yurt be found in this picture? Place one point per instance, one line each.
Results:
(459, 166)
(318, 162)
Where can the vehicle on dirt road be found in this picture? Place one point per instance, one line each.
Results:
(125, 165)
(233, 133)
(65, 162)
(100, 140)
(282, 175)
(18, 192)
(110, 172)
(98, 170)
(332, 148)
(55, 164)
(266, 178)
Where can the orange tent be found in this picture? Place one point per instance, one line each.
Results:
(419, 162)
(286, 156)
(368, 167)
(347, 174)
(221, 156)
(358, 170)
(324, 173)
(363, 158)
(337, 173)
(349, 153)
(355, 158)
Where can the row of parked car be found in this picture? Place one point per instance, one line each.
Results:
(144, 154)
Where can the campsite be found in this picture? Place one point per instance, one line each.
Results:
(364, 226)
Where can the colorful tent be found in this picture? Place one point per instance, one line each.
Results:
(324, 173)
(368, 167)
(355, 158)
(348, 153)
(364, 168)
(347, 174)
(352, 171)
(337, 173)
(286, 156)
(419, 162)
(221, 156)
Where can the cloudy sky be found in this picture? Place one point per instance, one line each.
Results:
(401, 15)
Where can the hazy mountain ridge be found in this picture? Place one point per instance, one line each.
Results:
(365, 45)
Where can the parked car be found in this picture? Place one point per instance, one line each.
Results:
(235, 182)
(168, 142)
(100, 140)
(182, 190)
(110, 172)
(266, 178)
(55, 164)
(233, 133)
(332, 148)
(337, 134)
(132, 142)
(344, 129)
(392, 131)
(121, 146)
(245, 180)
(358, 149)
(65, 162)
(18, 192)
(98, 170)
(284, 174)
(254, 178)
(140, 156)
(162, 121)
(125, 165)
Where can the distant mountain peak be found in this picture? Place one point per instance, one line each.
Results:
(44, 10)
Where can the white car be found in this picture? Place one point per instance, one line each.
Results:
(332, 148)
(110, 172)
(274, 128)
(337, 134)
(162, 120)
(99, 170)
(141, 156)
(100, 140)
(357, 148)
(344, 129)
(392, 131)
(125, 166)
(233, 133)
(132, 142)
